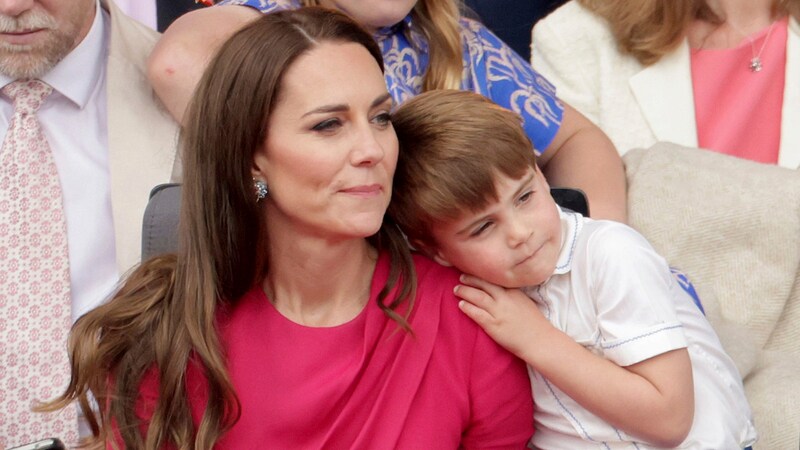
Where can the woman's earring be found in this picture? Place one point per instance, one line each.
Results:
(261, 189)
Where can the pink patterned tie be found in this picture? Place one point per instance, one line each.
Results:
(34, 278)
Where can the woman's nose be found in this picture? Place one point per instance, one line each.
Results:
(367, 149)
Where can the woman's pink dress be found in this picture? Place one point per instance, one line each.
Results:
(366, 384)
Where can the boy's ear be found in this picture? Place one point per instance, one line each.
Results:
(431, 252)
(441, 260)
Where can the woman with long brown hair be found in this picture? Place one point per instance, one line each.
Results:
(426, 45)
(716, 74)
(293, 315)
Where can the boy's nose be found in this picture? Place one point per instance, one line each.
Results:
(519, 232)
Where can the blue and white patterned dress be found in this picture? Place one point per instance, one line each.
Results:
(491, 68)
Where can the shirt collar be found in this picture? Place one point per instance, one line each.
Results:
(408, 28)
(76, 76)
(571, 225)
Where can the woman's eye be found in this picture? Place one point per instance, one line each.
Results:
(383, 118)
(327, 125)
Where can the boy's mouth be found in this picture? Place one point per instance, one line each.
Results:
(530, 256)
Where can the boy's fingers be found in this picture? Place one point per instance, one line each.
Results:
(480, 316)
(470, 280)
(479, 283)
(474, 296)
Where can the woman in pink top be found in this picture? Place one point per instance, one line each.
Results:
(717, 74)
(293, 316)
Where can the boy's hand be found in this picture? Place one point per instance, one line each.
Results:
(508, 316)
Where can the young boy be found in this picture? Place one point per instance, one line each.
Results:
(619, 355)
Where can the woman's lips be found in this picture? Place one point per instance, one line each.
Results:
(366, 190)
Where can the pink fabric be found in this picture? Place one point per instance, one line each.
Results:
(34, 278)
(738, 112)
(366, 384)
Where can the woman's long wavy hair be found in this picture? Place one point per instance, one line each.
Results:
(438, 20)
(163, 316)
(649, 29)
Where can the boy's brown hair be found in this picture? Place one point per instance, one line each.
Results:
(453, 145)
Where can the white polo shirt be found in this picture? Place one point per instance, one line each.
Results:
(613, 294)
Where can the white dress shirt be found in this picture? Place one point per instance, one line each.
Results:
(74, 121)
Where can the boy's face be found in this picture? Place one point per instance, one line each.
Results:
(513, 242)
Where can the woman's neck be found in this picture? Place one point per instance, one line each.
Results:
(741, 19)
(317, 283)
(749, 16)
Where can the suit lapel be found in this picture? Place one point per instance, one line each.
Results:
(141, 135)
(789, 155)
(664, 93)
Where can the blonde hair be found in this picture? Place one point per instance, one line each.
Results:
(650, 29)
(438, 21)
(453, 145)
(163, 317)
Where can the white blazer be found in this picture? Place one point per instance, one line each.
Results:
(636, 105)
(142, 136)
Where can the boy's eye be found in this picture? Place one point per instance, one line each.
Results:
(480, 229)
(327, 125)
(525, 197)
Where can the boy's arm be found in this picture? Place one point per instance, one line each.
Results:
(186, 48)
(652, 400)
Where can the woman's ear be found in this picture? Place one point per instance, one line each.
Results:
(259, 164)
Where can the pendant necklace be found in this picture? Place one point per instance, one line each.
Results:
(755, 62)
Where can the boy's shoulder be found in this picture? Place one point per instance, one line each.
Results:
(603, 245)
(609, 236)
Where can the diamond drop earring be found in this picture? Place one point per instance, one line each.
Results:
(261, 189)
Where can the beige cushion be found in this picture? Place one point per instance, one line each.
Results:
(733, 226)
